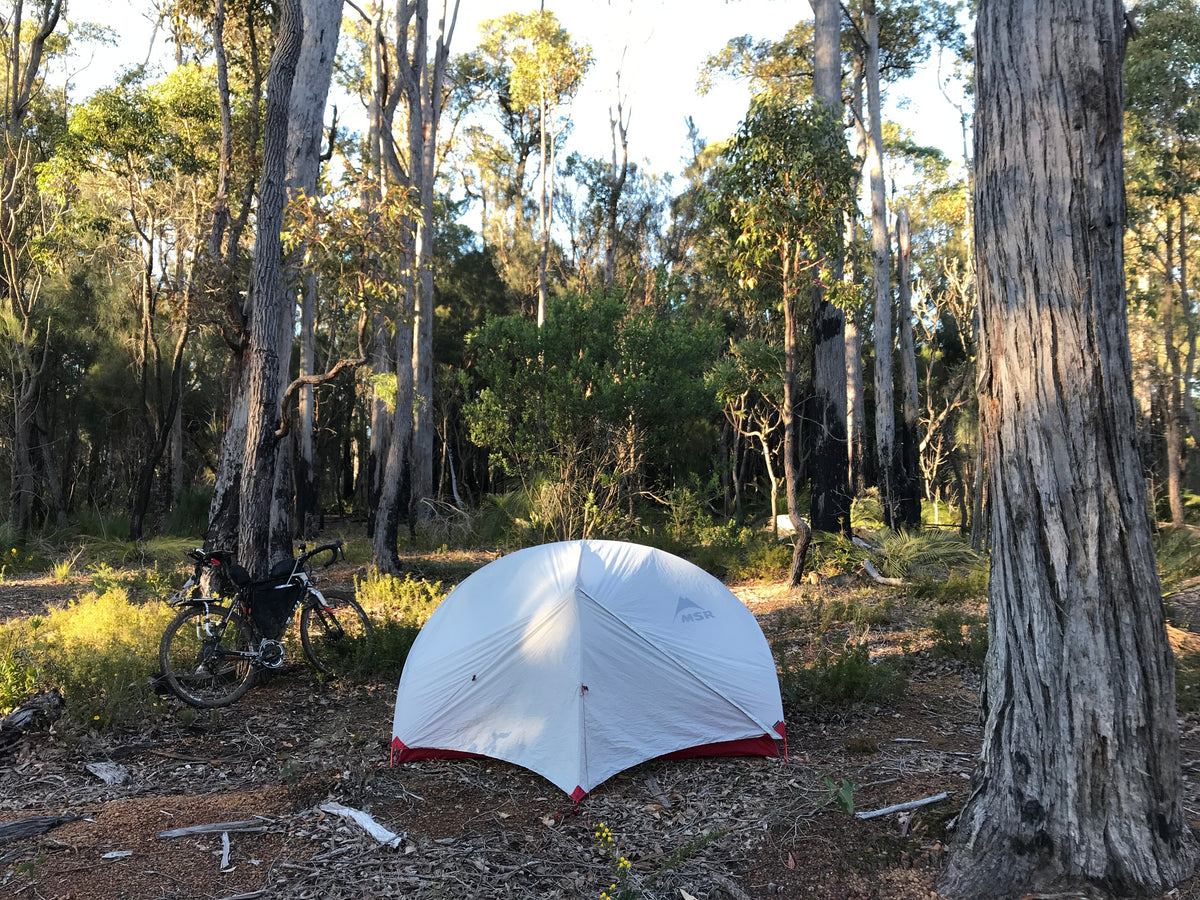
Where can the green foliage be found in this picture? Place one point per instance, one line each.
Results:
(843, 793)
(834, 681)
(960, 635)
(1178, 553)
(398, 608)
(971, 584)
(927, 554)
(99, 652)
(588, 406)
(789, 181)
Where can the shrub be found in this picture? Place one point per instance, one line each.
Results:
(960, 635)
(837, 680)
(398, 608)
(931, 554)
(956, 587)
(1178, 555)
(99, 652)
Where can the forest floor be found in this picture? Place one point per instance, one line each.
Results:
(706, 829)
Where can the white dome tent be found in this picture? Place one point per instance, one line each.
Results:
(582, 658)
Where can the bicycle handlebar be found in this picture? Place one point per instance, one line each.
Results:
(333, 549)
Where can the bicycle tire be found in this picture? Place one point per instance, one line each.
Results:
(196, 666)
(337, 636)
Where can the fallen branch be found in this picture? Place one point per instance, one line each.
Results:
(250, 826)
(902, 807)
(879, 579)
(31, 825)
(365, 822)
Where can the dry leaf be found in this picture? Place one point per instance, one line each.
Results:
(791, 863)
(686, 895)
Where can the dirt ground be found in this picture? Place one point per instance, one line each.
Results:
(707, 829)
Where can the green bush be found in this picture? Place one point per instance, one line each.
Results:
(837, 680)
(99, 652)
(930, 554)
(960, 635)
(1178, 555)
(971, 584)
(398, 608)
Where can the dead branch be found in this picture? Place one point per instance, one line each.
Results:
(902, 807)
(250, 826)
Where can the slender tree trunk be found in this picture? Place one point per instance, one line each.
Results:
(885, 414)
(271, 315)
(618, 173)
(1078, 784)
(829, 469)
(856, 408)
(1172, 433)
(790, 473)
(910, 450)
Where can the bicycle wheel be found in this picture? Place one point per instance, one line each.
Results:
(337, 636)
(207, 663)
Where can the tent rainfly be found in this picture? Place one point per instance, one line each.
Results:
(582, 658)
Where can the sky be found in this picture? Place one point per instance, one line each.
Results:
(657, 46)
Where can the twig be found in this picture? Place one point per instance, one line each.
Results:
(901, 807)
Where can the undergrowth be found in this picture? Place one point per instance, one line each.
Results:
(99, 652)
(398, 608)
(835, 680)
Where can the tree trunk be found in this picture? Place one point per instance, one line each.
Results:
(617, 176)
(856, 408)
(306, 119)
(1173, 430)
(271, 316)
(423, 81)
(829, 470)
(909, 493)
(885, 414)
(1078, 784)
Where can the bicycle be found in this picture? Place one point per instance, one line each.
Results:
(216, 648)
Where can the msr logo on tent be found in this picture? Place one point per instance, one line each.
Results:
(689, 611)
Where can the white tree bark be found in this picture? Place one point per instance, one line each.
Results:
(885, 416)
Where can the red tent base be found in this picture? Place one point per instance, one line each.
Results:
(763, 745)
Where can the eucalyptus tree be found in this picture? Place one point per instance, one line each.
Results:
(788, 186)
(421, 77)
(138, 156)
(1078, 786)
(1163, 173)
(306, 121)
(262, 537)
(27, 332)
(545, 70)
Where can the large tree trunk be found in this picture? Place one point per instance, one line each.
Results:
(1078, 783)
(272, 313)
(885, 414)
(829, 466)
(909, 487)
(306, 119)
